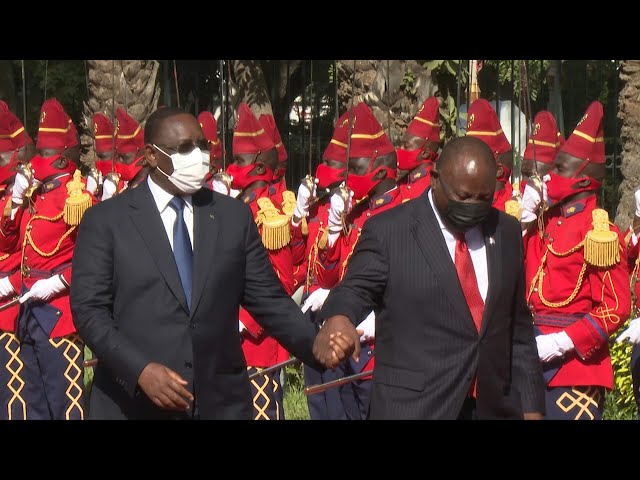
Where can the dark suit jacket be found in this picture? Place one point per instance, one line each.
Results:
(427, 346)
(130, 308)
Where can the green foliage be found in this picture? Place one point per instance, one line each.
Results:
(295, 401)
(88, 372)
(620, 403)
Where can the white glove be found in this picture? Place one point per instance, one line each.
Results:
(369, 327)
(6, 288)
(219, 186)
(20, 186)
(304, 197)
(637, 197)
(44, 289)
(92, 184)
(632, 333)
(553, 345)
(315, 300)
(338, 209)
(109, 189)
(233, 193)
(241, 327)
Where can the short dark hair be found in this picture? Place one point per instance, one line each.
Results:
(455, 147)
(155, 121)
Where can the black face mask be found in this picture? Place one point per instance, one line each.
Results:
(463, 216)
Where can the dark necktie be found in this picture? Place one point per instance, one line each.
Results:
(182, 250)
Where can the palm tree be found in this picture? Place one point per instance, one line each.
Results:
(132, 84)
(629, 113)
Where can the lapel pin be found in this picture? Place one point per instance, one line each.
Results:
(212, 216)
(491, 241)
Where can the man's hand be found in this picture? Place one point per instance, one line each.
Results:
(233, 193)
(336, 340)
(44, 289)
(533, 416)
(165, 387)
(553, 345)
(315, 300)
(219, 186)
(6, 288)
(632, 333)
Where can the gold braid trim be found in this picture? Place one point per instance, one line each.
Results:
(304, 227)
(29, 240)
(346, 260)
(513, 208)
(288, 203)
(4, 257)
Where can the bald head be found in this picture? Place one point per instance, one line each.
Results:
(463, 182)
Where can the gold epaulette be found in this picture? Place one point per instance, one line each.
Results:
(288, 203)
(276, 232)
(512, 207)
(601, 247)
(77, 201)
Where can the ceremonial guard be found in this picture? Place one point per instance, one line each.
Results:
(252, 174)
(577, 278)
(16, 147)
(47, 204)
(418, 150)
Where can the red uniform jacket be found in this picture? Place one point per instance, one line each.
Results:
(500, 197)
(9, 265)
(598, 299)
(261, 350)
(416, 182)
(331, 263)
(47, 249)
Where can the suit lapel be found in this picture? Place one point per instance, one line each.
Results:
(205, 233)
(429, 236)
(146, 218)
(493, 245)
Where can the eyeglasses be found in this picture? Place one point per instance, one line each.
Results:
(186, 148)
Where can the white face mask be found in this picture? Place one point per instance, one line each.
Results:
(189, 171)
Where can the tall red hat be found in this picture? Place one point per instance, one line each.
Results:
(56, 130)
(368, 138)
(337, 148)
(249, 136)
(426, 122)
(545, 138)
(12, 133)
(102, 133)
(4, 107)
(129, 133)
(269, 124)
(210, 129)
(483, 123)
(587, 140)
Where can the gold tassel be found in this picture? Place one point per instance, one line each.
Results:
(601, 247)
(304, 227)
(276, 232)
(77, 202)
(322, 243)
(513, 208)
(288, 203)
(7, 208)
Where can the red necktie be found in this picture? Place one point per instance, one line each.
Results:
(468, 280)
(469, 284)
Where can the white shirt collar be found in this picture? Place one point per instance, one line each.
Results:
(435, 210)
(162, 197)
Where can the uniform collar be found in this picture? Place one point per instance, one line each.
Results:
(421, 172)
(577, 206)
(384, 199)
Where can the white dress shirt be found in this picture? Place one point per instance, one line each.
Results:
(167, 213)
(475, 243)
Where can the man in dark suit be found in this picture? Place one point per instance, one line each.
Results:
(161, 315)
(444, 274)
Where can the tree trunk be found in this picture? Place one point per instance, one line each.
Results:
(629, 113)
(394, 94)
(132, 84)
